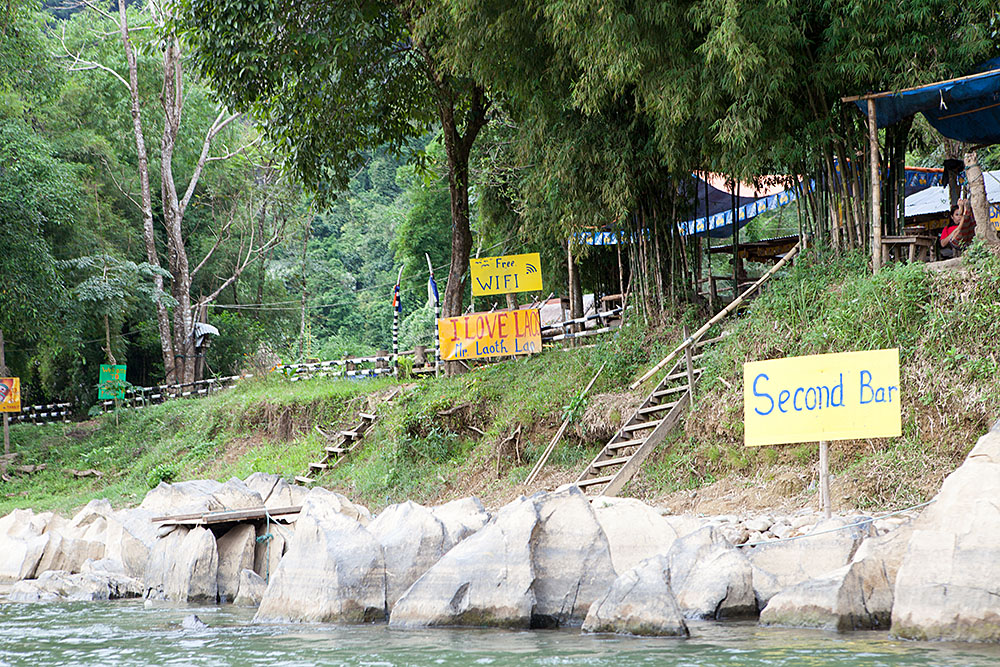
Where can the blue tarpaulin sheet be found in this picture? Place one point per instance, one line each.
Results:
(967, 109)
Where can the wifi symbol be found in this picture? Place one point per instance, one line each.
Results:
(530, 269)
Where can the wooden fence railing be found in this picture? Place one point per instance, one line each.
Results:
(354, 367)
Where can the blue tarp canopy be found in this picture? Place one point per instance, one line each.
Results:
(966, 109)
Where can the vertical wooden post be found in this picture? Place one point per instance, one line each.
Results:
(6, 417)
(876, 189)
(690, 367)
(824, 478)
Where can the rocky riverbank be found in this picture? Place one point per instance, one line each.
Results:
(549, 560)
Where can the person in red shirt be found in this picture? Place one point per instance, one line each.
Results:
(958, 234)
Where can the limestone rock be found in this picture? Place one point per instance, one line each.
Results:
(68, 554)
(639, 602)
(855, 597)
(710, 578)
(540, 562)
(183, 567)
(635, 531)
(275, 491)
(461, 518)
(412, 540)
(22, 544)
(182, 498)
(333, 570)
(323, 501)
(235, 495)
(236, 553)
(251, 589)
(485, 580)
(57, 585)
(792, 562)
(948, 586)
(128, 539)
(269, 550)
(571, 558)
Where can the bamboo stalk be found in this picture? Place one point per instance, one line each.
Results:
(690, 340)
(562, 429)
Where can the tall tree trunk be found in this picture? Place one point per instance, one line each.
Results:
(146, 198)
(977, 195)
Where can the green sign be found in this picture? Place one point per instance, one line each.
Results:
(112, 384)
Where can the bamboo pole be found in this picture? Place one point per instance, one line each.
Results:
(562, 429)
(876, 189)
(824, 478)
(690, 340)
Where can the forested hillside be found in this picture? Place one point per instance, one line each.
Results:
(166, 164)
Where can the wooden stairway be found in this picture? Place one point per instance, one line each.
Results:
(639, 436)
(339, 446)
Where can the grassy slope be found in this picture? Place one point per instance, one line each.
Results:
(945, 325)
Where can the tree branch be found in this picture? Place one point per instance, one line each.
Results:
(81, 65)
(217, 126)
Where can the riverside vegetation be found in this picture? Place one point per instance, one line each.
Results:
(943, 323)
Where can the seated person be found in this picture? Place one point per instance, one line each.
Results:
(959, 234)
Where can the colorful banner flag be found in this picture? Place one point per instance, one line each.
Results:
(10, 394)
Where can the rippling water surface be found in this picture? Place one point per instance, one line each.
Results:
(129, 634)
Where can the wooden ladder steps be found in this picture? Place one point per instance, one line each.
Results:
(350, 435)
(367, 416)
(317, 466)
(667, 392)
(583, 483)
(657, 408)
(631, 428)
(626, 443)
(302, 479)
(682, 376)
(337, 450)
(610, 462)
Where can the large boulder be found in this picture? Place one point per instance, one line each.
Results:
(57, 585)
(275, 491)
(639, 602)
(22, 543)
(183, 567)
(129, 537)
(540, 562)
(333, 570)
(412, 540)
(251, 589)
(192, 497)
(857, 596)
(461, 518)
(320, 499)
(271, 544)
(236, 553)
(571, 557)
(235, 495)
(710, 578)
(948, 587)
(635, 531)
(485, 580)
(68, 554)
(830, 545)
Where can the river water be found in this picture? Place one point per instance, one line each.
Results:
(127, 633)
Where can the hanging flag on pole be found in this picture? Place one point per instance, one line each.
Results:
(432, 296)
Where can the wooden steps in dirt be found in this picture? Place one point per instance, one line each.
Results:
(661, 411)
(341, 444)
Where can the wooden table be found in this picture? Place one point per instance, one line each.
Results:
(916, 246)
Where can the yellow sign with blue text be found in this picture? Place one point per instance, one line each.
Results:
(822, 397)
(505, 274)
(497, 334)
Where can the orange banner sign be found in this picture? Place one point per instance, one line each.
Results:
(10, 394)
(497, 334)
